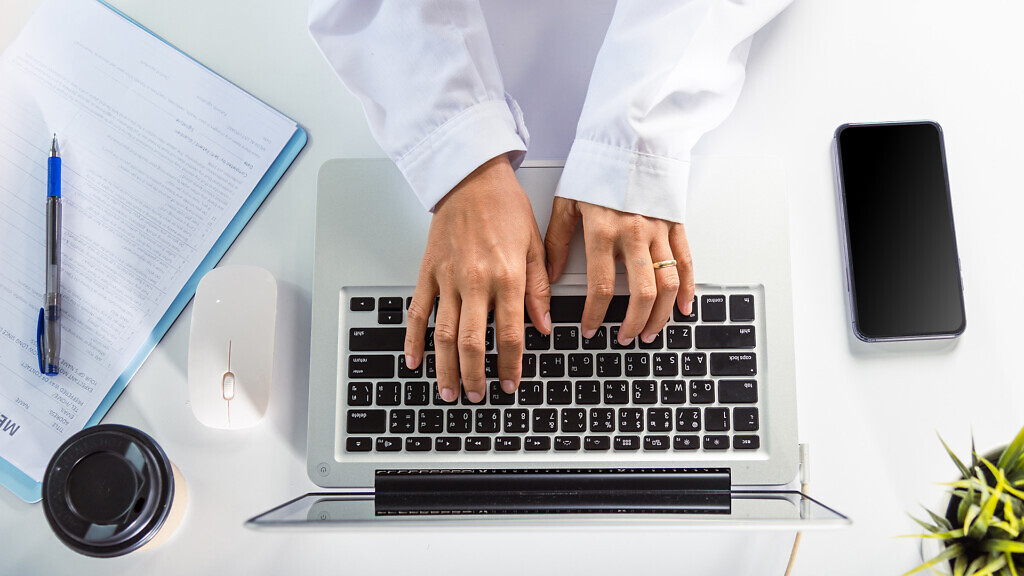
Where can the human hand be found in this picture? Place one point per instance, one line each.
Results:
(483, 250)
(639, 241)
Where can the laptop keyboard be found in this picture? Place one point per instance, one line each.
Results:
(693, 390)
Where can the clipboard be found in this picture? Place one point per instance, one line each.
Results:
(21, 483)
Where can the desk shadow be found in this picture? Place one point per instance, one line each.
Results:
(290, 395)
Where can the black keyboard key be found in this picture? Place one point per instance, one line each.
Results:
(655, 344)
(598, 342)
(588, 392)
(616, 392)
(390, 303)
(627, 442)
(431, 365)
(489, 338)
(737, 391)
(388, 444)
(428, 339)
(508, 444)
(716, 419)
(602, 420)
(478, 444)
(545, 420)
(529, 365)
(712, 308)
(360, 394)
(609, 365)
(417, 444)
(465, 399)
(645, 392)
(530, 393)
(617, 309)
(402, 421)
(716, 442)
(389, 393)
(631, 419)
(741, 308)
(534, 340)
(685, 442)
(360, 304)
(417, 393)
(659, 419)
(656, 443)
(499, 397)
(574, 420)
(673, 391)
(687, 419)
(490, 365)
(746, 442)
(745, 420)
(371, 366)
(615, 340)
(447, 444)
(581, 365)
(702, 391)
(389, 317)
(733, 364)
(559, 392)
(376, 339)
(537, 443)
(552, 366)
(459, 421)
(405, 372)
(567, 337)
(693, 364)
(488, 421)
(730, 336)
(517, 420)
(359, 443)
(677, 315)
(638, 364)
(597, 443)
(678, 337)
(408, 302)
(567, 443)
(430, 421)
(438, 401)
(567, 309)
(666, 364)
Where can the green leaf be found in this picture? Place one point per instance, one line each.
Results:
(993, 565)
(1010, 459)
(940, 520)
(995, 545)
(963, 469)
(952, 551)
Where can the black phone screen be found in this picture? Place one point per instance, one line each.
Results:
(903, 267)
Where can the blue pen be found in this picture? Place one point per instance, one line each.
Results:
(48, 330)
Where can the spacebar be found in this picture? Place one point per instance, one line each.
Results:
(376, 339)
(569, 309)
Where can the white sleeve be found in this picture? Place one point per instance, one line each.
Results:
(667, 73)
(429, 83)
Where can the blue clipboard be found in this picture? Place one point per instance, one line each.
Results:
(20, 483)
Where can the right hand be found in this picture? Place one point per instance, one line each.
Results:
(483, 251)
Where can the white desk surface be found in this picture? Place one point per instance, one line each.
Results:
(871, 419)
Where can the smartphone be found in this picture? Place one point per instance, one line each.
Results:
(902, 267)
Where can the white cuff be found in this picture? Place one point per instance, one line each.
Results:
(446, 156)
(626, 180)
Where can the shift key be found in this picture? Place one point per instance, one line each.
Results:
(371, 366)
(366, 422)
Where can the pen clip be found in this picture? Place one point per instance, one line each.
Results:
(39, 341)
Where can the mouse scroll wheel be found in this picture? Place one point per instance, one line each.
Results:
(228, 385)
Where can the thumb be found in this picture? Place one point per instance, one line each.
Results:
(564, 216)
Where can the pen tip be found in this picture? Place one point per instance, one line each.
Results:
(54, 149)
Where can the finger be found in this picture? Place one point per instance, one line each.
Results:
(643, 290)
(508, 321)
(418, 316)
(446, 340)
(684, 268)
(564, 216)
(667, 280)
(600, 278)
(538, 290)
(472, 336)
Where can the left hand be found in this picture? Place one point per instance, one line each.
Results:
(638, 241)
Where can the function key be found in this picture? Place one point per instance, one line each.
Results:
(507, 444)
(390, 303)
(716, 442)
(478, 444)
(567, 443)
(417, 444)
(537, 443)
(741, 308)
(627, 442)
(358, 444)
(360, 304)
(685, 442)
(593, 443)
(712, 308)
(678, 316)
(448, 444)
(746, 442)
(385, 444)
(655, 442)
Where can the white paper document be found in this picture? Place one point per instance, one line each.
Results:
(158, 155)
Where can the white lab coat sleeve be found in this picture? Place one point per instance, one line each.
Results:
(667, 73)
(428, 79)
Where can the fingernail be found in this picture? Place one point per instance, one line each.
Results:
(474, 396)
(508, 386)
(626, 342)
(410, 361)
(547, 321)
(648, 338)
(448, 394)
(688, 309)
(589, 333)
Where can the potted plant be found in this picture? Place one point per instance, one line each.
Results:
(982, 530)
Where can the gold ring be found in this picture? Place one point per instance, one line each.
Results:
(665, 264)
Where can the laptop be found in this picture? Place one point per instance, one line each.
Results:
(698, 428)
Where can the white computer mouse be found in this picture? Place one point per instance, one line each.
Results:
(231, 346)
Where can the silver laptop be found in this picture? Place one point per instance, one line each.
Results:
(698, 427)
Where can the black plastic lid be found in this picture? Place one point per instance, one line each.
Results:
(108, 490)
